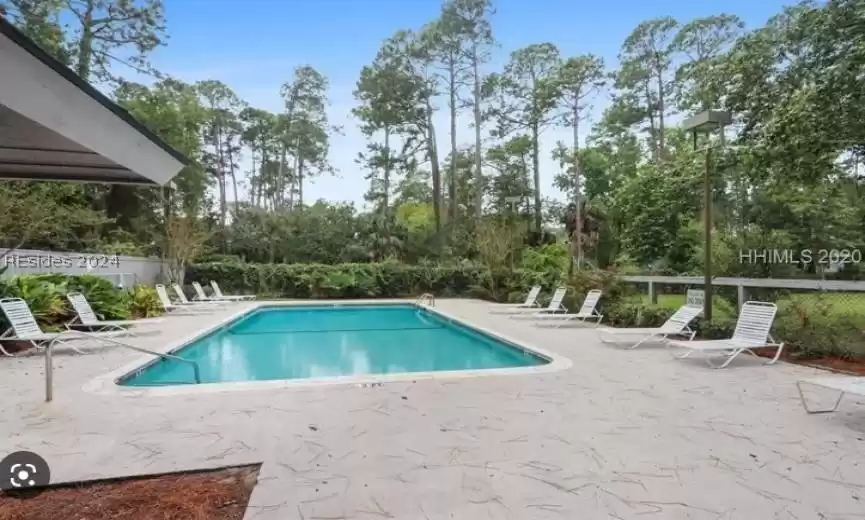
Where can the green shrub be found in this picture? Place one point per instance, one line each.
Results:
(636, 314)
(721, 327)
(548, 257)
(482, 293)
(511, 286)
(581, 282)
(107, 301)
(219, 257)
(821, 326)
(144, 302)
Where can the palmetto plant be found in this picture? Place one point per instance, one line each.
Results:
(143, 302)
(109, 302)
(45, 299)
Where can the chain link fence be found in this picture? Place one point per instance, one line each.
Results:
(846, 297)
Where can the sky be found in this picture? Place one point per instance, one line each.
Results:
(254, 45)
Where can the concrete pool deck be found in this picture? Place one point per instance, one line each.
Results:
(618, 434)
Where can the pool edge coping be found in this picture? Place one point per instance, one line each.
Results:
(106, 384)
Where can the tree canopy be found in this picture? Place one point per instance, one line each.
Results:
(788, 175)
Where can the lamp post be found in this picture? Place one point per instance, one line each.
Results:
(707, 122)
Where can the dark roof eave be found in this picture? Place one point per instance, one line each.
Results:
(8, 30)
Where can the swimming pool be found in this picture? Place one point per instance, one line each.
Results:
(301, 342)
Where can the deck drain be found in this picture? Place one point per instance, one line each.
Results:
(368, 385)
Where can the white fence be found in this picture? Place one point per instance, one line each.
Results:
(743, 284)
(124, 271)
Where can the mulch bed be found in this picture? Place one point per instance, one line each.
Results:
(835, 364)
(14, 347)
(209, 495)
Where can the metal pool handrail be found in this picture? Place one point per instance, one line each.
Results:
(426, 299)
(49, 367)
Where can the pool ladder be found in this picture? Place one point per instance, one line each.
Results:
(426, 299)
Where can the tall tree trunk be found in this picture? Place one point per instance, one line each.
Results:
(252, 180)
(525, 166)
(279, 196)
(223, 211)
(291, 190)
(220, 166)
(300, 184)
(165, 192)
(432, 153)
(479, 194)
(232, 173)
(578, 239)
(85, 44)
(653, 132)
(536, 165)
(386, 195)
(261, 175)
(452, 176)
(662, 149)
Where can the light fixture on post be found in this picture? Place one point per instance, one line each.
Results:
(707, 122)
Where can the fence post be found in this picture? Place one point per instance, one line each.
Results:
(653, 297)
(740, 296)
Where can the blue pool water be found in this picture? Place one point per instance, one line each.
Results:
(306, 342)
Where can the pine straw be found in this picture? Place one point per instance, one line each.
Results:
(219, 495)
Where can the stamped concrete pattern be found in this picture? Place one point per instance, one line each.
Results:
(618, 435)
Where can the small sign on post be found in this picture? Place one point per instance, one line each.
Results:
(695, 298)
(513, 201)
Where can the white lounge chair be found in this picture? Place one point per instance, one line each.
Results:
(588, 311)
(201, 296)
(752, 331)
(218, 293)
(676, 325)
(844, 384)
(530, 303)
(181, 297)
(85, 317)
(554, 307)
(173, 308)
(25, 328)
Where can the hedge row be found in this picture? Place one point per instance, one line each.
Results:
(383, 280)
